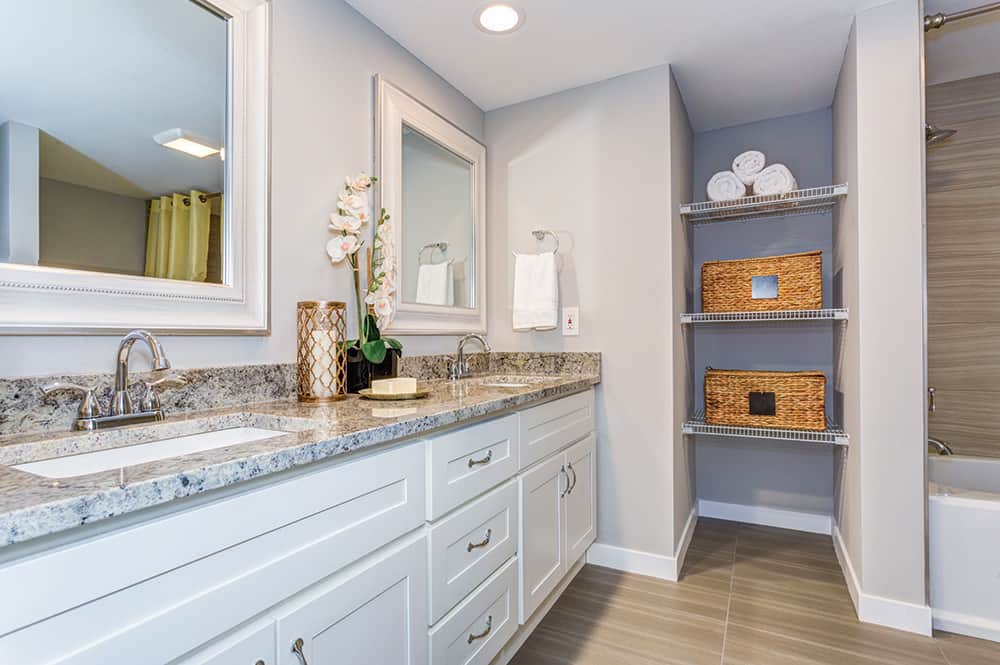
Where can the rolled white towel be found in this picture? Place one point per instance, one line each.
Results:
(725, 186)
(774, 180)
(748, 165)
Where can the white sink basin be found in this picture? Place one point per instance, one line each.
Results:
(116, 458)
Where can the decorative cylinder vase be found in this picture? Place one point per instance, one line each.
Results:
(321, 373)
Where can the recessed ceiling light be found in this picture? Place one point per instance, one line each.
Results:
(499, 18)
(184, 141)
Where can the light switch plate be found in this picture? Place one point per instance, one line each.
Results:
(571, 321)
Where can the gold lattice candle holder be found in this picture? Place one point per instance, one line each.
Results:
(321, 375)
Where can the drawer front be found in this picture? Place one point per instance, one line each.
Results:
(476, 631)
(251, 645)
(469, 545)
(468, 462)
(550, 427)
(359, 506)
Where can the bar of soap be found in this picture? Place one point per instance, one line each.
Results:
(398, 386)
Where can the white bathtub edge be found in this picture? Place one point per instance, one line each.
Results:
(963, 624)
(878, 610)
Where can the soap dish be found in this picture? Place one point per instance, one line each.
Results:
(366, 393)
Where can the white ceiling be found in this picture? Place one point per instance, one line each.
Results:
(735, 61)
(962, 49)
(104, 77)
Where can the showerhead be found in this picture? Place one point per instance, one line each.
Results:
(934, 134)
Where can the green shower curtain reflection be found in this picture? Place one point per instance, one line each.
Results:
(177, 236)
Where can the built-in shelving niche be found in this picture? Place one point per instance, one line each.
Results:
(811, 201)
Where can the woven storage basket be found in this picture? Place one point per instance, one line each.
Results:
(785, 400)
(793, 281)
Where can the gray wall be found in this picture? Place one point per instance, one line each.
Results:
(758, 472)
(88, 229)
(324, 55)
(593, 165)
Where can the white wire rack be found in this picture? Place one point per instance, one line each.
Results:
(832, 435)
(783, 315)
(799, 202)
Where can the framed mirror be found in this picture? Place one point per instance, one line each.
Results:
(432, 179)
(134, 167)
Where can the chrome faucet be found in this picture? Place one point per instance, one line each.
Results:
(121, 402)
(940, 446)
(91, 416)
(460, 366)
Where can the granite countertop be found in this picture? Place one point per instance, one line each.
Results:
(32, 506)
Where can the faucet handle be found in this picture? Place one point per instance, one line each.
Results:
(151, 400)
(90, 407)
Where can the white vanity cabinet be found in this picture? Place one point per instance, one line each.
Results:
(557, 521)
(427, 552)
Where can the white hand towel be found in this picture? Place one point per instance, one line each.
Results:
(748, 165)
(436, 284)
(725, 186)
(774, 180)
(536, 292)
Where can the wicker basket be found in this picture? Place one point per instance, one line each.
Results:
(785, 400)
(793, 281)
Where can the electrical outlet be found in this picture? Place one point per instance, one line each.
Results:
(571, 321)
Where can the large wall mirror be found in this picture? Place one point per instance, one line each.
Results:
(432, 178)
(133, 166)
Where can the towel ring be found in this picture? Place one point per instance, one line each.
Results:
(440, 246)
(540, 235)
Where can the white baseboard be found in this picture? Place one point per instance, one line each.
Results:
(879, 610)
(645, 563)
(963, 624)
(778, 517)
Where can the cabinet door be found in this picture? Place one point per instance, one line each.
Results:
(375, 612)
(253, 645)
(581, 505)
(542, 559)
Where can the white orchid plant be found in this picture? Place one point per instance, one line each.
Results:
(375, 306)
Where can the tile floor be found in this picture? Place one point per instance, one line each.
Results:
(749, 595)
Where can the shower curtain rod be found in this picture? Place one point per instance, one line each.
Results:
(934, 21)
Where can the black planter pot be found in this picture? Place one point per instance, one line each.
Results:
(360, 372)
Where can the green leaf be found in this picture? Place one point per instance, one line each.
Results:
(374, 351)
(392, 343)
(372, 333)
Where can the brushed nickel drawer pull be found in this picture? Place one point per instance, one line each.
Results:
(489, 627)
(573, 486)
(485, 460)
(297, 650)
(483, 543)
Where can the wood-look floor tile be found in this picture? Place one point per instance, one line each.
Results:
(962, 650)
(835, 632)
(707, 572)
(550, 647)
(749, 646)
(830, 602)
(652, 595)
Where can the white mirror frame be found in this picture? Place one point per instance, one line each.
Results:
(393, 108)
(41, 300)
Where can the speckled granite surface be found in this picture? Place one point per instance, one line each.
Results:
(22, 408)
(32, 506)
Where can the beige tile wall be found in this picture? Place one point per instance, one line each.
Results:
(963, 265)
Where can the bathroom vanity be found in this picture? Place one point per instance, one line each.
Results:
(411, 533)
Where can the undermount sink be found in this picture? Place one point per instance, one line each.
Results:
(504, 384)
(117, 458)
(508, 381)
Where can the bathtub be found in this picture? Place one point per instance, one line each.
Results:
(964, 523)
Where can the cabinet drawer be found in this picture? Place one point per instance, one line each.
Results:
(469, 545)
(467, 462)
(248, 646)
(550, 427)
(476, 631)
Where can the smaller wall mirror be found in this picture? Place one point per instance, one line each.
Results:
(432, 178)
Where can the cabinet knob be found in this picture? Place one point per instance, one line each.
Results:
(297, 647)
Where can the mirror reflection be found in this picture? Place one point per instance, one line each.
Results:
(112, 160)
(438, 232)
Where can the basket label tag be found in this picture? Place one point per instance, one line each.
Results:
(764, 287)
(762, 404)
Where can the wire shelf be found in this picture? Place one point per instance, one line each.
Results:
(783, 315)
(814, 200)
(832, 435)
